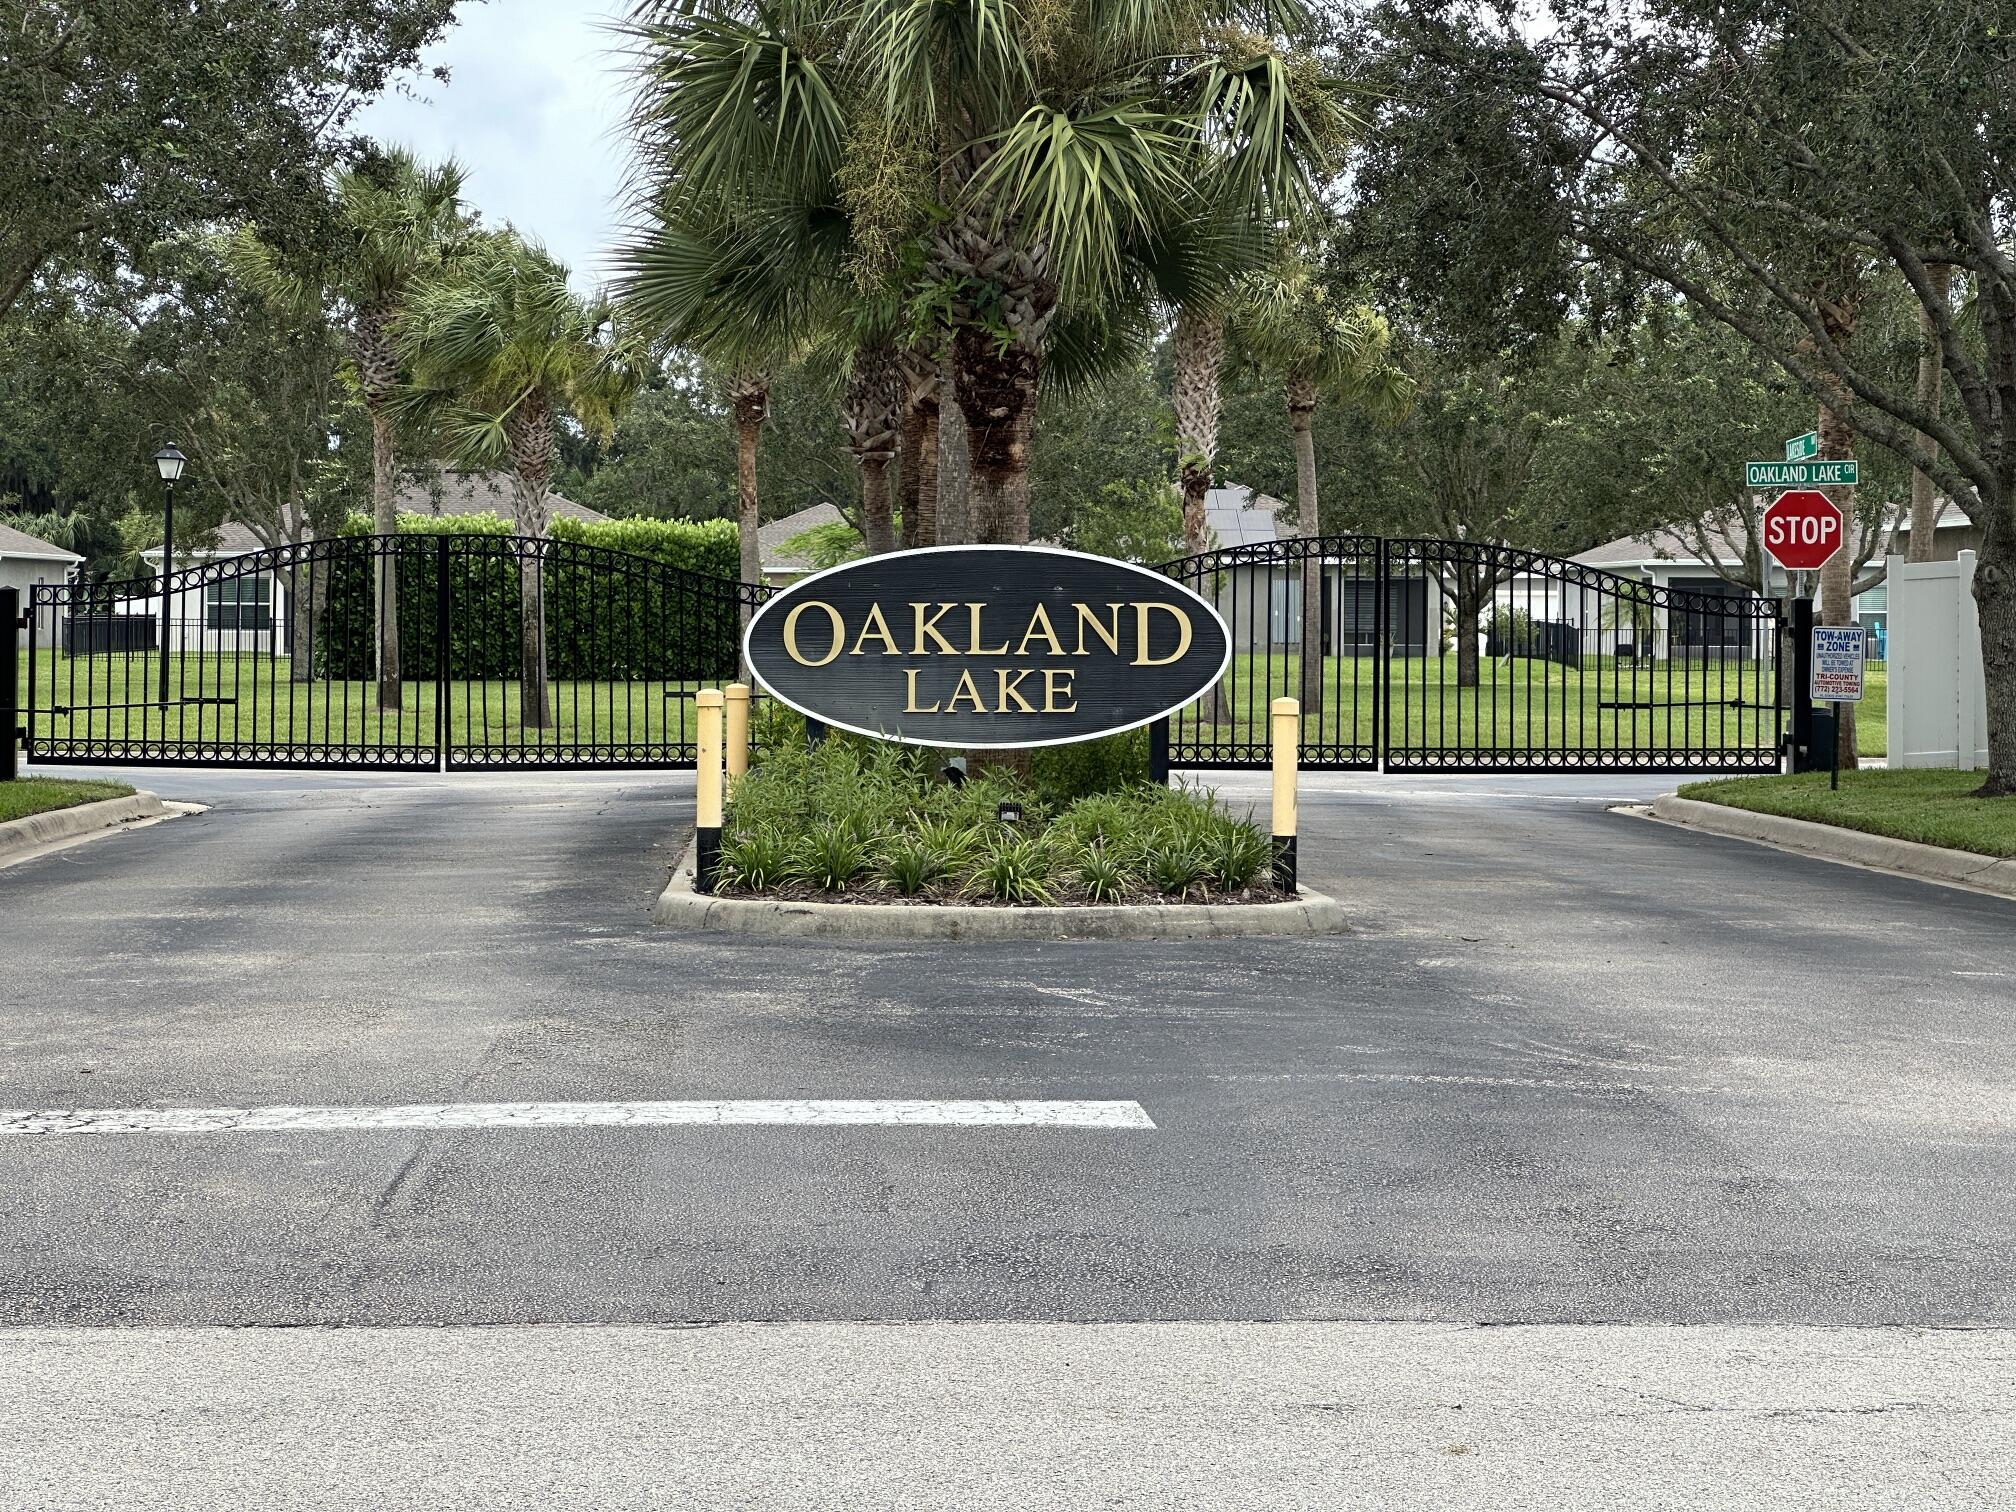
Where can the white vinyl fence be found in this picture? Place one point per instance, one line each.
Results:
(1938, 698)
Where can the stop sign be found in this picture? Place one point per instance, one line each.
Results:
(1802, 529)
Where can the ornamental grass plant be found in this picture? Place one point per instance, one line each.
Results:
(873, 821)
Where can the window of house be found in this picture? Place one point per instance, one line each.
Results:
(244, 603)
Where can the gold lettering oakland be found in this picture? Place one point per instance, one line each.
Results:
(928, 640)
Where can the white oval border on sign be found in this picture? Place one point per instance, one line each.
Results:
(777, 595)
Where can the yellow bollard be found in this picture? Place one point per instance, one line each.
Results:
(1287, 731)
(707, 819)
(737, 695)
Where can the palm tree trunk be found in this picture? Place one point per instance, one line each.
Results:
(919, 484)
(951, 524)
(752, 407)
(1931, 381)
(532, 444)
(1301, 417)
(996, 391)
(384, 564)
(876, 529)
(997, 394)
(1199, 349)
(995, 382)
(874, 415)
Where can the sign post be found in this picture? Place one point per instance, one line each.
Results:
(1837, 657)
(1802, 528)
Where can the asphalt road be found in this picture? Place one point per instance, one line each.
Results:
(1569, 1067)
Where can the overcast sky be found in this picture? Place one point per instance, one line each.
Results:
(530, 110)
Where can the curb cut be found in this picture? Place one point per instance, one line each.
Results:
(1830, 842)
(679, 906)
(18, 836)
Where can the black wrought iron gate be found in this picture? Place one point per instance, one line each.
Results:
(399, 652)
(472, 651)
(1461, 657)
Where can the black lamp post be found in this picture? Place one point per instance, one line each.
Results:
(168, 462)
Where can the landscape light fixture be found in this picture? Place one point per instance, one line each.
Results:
(168, 462)
(1010, 812)
(954, 771)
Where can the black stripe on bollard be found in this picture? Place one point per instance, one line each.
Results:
(706, 858)
(1284, 862)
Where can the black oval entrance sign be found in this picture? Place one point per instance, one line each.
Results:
(987, 646)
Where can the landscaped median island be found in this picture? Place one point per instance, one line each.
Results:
(1927, 807)
(864, 838)
(863, 823)
(42, 795)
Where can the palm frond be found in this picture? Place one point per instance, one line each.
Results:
(1084, 185)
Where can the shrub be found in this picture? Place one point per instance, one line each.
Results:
(624, 599)
(1064, 773)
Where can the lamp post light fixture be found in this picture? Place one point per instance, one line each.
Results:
(169, 463)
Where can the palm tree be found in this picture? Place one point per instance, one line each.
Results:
(401, 222)
(1031, 152)
(1316, 346)
(732, 260)
(503, 352)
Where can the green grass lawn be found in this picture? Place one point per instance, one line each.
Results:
(249, 701)
(42, 795)
(1932, 807)
(1520, 704)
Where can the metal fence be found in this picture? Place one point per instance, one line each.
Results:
(403, 652)
(465, 652)
(1460, 656)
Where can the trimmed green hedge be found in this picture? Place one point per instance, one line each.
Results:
(606, 618)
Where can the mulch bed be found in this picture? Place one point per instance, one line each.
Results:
(941, 893)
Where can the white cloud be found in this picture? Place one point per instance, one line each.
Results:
(532, 110)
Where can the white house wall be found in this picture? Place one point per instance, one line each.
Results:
(1938, 698)
(189, 624)
(25, 574)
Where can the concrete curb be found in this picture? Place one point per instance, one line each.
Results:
(18, 836)
(1928, 863)
(679, 906)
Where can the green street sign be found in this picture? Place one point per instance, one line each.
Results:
(1799, 474)
(1799, 448)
